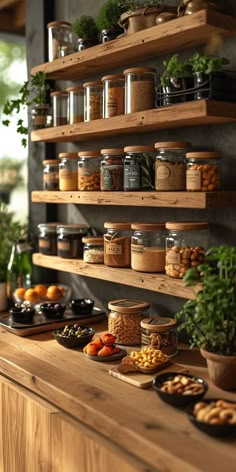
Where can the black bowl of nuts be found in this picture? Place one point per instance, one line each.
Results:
(74, 336)
(53, 310)
(215, 417)
(179, 389)
(22, 313)
(82, 306)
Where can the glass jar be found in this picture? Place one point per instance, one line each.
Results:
(160, 333)
(139, 168)
(117, 244)
(139, 89)
(68, 171)
(124, 320)
(47, 238)
(112, 170)
(93, 250)
(113, 95)
(89, 170)
(203, 171)
(75, 104)
(59, 108)
(93, 100)
(51, 174)
(69, 240)
(60, 38)
(41, 116)
(148, 247)
(170, 165)
(186, 245)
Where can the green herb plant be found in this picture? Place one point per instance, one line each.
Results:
(174, 69)
(109, 15)
(133, 5)
(210, 318)
(85, 27)
(207, 64)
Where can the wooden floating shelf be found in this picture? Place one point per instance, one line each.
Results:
(195, 113)
(186, 32)
(154, 282)
(200, 200)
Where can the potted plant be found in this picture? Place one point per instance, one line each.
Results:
(107, 20)
(207, 79)
(175, 80)
(86, 30)
(210, 318)
(141, 14)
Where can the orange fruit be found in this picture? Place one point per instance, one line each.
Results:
(41, 290)
(54, 292)
(31, 295)
(20, 292)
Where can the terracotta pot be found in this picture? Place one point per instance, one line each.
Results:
(221, 369)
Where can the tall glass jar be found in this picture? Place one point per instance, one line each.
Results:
(68, 171)
(93, 100)
(170, 165)
(69, 240)
(47, 238)
(139, 89)
(59, 108)
(139, 168)
(51, 174)
(112, 169)
(117, 244)
(124, 320)
(113, 95)
(89, 170)
(203, 171)
(148, 247)
(93, 252)
(186, 245)
(59, 38)
(75, 104)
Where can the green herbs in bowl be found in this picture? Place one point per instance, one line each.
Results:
(74, 336)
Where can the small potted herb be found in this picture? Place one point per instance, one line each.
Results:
(86, 30)
(175, 80)
(107, 20)
(207, 79)
(141, 14)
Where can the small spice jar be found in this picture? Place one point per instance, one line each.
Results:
(117, 244)
(113, 95)
(59, 108)
(170, 165)
(186, 245)
(47, 238)
(60, 38)
(203, 171)
(160, 333)
(148, 247)
(89, 170)
(112, 170)
(69, 240)
(124, 320)
(139, 89)
(68, 171)
(93, 252)
(138, 168)
(75, 104)
(93, 100)
(51, 174)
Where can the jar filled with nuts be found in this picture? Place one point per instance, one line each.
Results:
(124, 320)
(170, 165)
(89, 170)
(160, 333)
(93, 250)
(186, 245)
(203, 171)
(93, 100)
(117, 242)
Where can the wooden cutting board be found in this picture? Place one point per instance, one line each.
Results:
(138, 379)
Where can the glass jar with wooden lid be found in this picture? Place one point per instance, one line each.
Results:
(60, 38)
(148, 247)
(112, 170)
(139, 89)
(69, 240)
(75, 104)
(186, 245)
(138, 168)
(160, 333)
(203, 171)
(51, 174)
(113, 95)
(47, 238)
(59, 108)
(68, 171)
(170, 165)
(117, 244)
(124, 320)
(93, 251)
(93, 100)
(89, 170)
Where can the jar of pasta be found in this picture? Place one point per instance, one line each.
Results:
(68, 171)
(113, 95)
(124, 320)
(47, 238)
(51, 174)
(112, 169)
(93, 100)
(203, 171)
(139, 168)
(148, 247)
(117, 244)
(69, 240)
(139, 89)
(75, 104)
(170, 165)
(60, 39)
(59, 108)
(160, 333)
(89, 170)
(93, 252)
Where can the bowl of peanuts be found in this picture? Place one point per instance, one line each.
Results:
(179, 389)
(215, 417)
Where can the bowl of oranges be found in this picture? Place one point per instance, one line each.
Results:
(41, 293)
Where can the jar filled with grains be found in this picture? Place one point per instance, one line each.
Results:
(59, 108)
(93, 252)
(203, 171)
(139, 168)
(47, 238)
(60, 39)
(112, 169)
(89, 170)
(113, 95)
(75, 104)
(69, 240)
(124, 320)
(117, 244)
(160, 333)
(93, 100)
(170, 165)
(186, 245)
(139, 89)
(68, 171)
(51, 174)
(148, 247)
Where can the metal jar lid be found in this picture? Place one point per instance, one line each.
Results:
(128, 306)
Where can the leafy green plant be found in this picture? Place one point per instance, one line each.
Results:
(85, 27)
(210, 318)
(207, 64)
(133, 5)
(10, 173)
(175, 69)
(109, 15)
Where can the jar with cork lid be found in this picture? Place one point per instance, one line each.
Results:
(160, 333)
(75, 104)
(117, 244)
(59, 108)
(60, 39)
(124, 320)
(139, 168)
(93, 100)
(68, 171)
(51, 174)
(170, 165)
(203, 171)
(93, 252)
(113, 95)
(148, 247)
(89, 170)
(139, 89)
(112, 170)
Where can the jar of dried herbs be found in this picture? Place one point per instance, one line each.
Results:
(139, 168)
(117, 252)
(112, 169)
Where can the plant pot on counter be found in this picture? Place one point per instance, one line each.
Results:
(221, 369)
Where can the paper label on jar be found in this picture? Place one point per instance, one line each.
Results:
(193, 180)
(65, 174)
(173, 257)
(112, 248)
(63, 246)
(170, 176)
(52, 177)
(163, 172)
(137, 248)
(44, 243)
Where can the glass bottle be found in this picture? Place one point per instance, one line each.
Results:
(19, 269)
(139, 89)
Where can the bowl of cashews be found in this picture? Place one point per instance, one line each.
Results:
(179, 389)
(215, 417)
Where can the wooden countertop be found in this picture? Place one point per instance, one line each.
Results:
(134, 419)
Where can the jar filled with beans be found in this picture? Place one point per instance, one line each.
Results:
(112, 169)
(186, 245)
(117, 239)
(170, 165)
(68, 171)
(93, 100)
(124, 320)
(89, 170)
(139, 89)
(203, 171)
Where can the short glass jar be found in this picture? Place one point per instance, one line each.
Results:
(47, 238)
(75, 104)
(51, 174)
(203, 171)
(68, 171)
(93, 100)
(112, 170)
(124, 320)
(89, 170)
(170, 165)
(59, 108)
(160, 333)
(117, 244)
(148, 247)
(59, 38)
(113, 95)
(93, 252)
(41, 116)
(139, 89)
(139, 168)
(69, 240)
(186, 245)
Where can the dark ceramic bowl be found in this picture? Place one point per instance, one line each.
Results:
(82, 306)
(177, 399)
(216, 430)
(73, 341)
(21, 315)
(53, 310)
